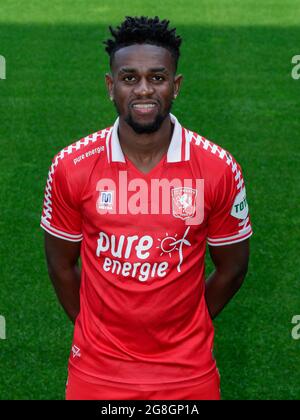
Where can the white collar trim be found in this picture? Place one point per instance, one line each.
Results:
(115, 153)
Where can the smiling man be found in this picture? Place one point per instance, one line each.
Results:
(138, 202)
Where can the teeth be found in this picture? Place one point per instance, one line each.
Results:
(144, 106)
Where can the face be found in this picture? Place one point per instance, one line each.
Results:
(143, 85)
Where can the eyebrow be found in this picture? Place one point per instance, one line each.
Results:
(152, 70)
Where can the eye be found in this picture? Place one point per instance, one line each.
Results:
(128, 77)
(160, 77)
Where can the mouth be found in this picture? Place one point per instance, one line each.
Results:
(145, 108)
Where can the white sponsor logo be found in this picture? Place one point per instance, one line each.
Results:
(88, 154)
(184, 202)
(140, 248)
(76, 351)
(172, 243)
(240, 205)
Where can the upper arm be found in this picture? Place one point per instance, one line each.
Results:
(229, 225)
(61, 254)
(232, 259)
(229, 220)
(61, 217)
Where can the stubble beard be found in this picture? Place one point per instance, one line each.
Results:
(146, 128)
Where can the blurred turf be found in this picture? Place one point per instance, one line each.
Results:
(237, 91)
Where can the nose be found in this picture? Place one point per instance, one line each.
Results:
(143, 88)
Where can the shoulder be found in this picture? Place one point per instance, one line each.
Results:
(213, 159)
(83, 152)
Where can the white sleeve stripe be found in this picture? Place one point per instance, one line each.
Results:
(60, 236)
(60, 233)
(228, 238)
(70, 235)
(231, 242)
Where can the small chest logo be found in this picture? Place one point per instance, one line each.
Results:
(184, 202)
(76, 351)
(106, 200)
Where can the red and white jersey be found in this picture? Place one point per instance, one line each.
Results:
(143, 317)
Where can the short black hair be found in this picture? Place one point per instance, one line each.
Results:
(144, 30)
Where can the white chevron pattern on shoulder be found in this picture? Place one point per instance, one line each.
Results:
(201, 141)
(92, 138)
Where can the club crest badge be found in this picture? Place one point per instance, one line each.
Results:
(184, 202)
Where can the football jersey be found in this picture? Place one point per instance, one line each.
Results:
(143, 316)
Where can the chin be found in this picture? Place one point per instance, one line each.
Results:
(148, 128)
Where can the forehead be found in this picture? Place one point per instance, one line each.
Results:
(142, 57)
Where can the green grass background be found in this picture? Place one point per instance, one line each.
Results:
(237, 91)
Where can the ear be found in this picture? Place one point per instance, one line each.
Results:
(109, 84)
(177, 84)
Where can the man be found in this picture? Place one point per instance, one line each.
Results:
(138, 201)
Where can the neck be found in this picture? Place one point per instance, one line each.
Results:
(145, 148)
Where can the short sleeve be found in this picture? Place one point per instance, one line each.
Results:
(61, 216)
(229, 219)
